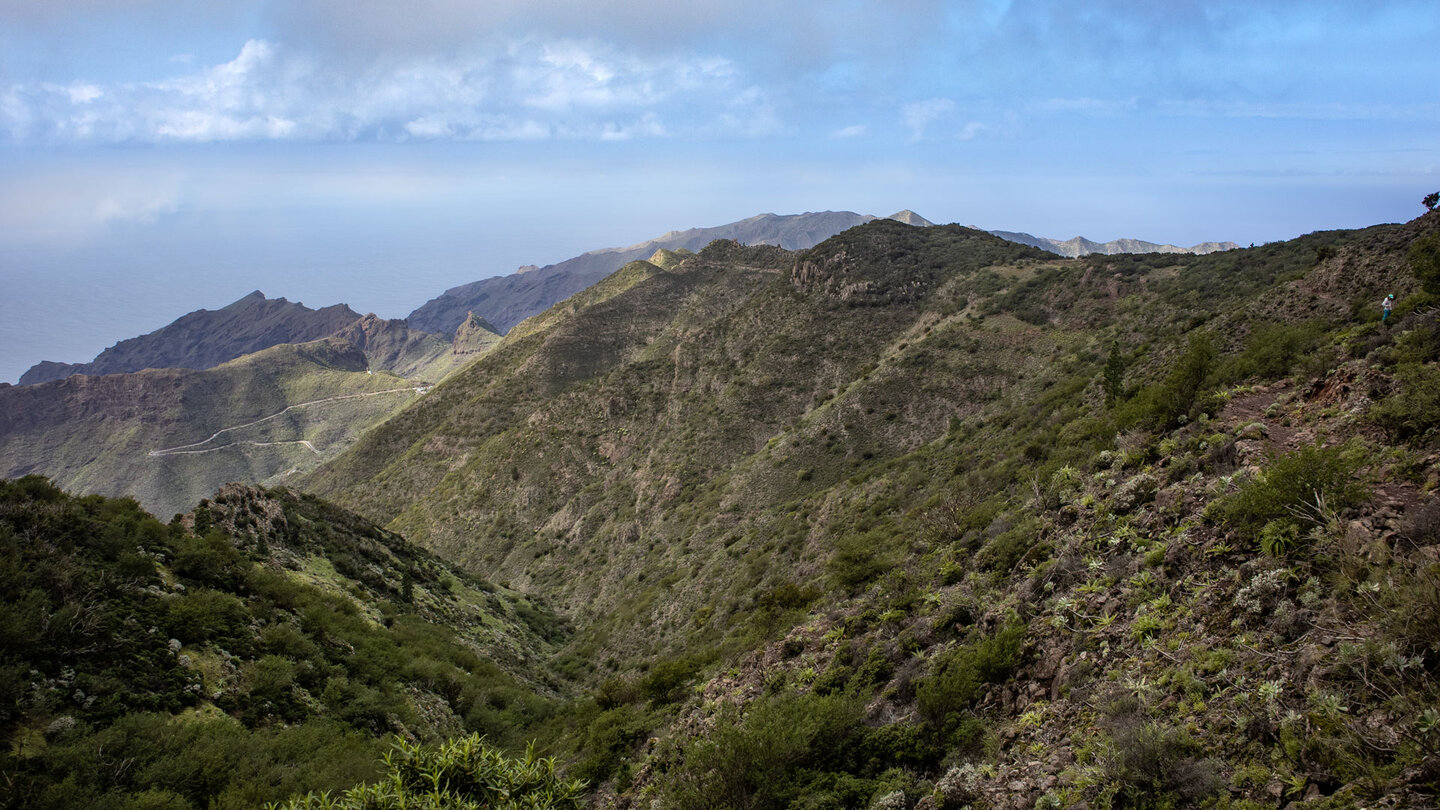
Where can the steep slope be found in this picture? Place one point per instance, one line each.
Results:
(203, 339)
(474, 336)
(1080, 246)
(169, 437)
(266, 644)
(648, 385)
(391, 345)
(507, 300)
(923, 518)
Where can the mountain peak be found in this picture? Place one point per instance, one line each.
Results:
(910, 218)
(507, 300)
(475, 335)
(205, 338)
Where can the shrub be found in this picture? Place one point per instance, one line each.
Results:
(1415, 409)
(784, 748)
(1295, 487)
(1155, 767)
(945, 697)
(609, 740)
(1004, 552)
(464, 773)
(1424, 257)
(858, 559)
(1273, 349)
(1412, 612)
(665, 683)
(1180, 393)
(203, 615)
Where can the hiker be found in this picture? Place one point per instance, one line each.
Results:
(1387, 305)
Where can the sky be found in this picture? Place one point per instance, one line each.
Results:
(162, 156)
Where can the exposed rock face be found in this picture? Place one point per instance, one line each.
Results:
(910, 218)
(391, 345)
(1080, 246)
(205, 339)
(475, 336)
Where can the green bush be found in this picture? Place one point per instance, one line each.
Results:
(609, 741)
(1180, 394)
(1298, 487)
(1273, 350)
(945, 697)
(666, 680)
(858, 559)
(464, 774)
(783, 748)
(1414, 410)
(1424, 257)
(204, 615)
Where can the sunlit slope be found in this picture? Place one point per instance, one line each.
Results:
(584, 439)
(169, 437)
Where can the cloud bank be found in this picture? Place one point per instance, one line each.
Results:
(527, 89)
(166, 71)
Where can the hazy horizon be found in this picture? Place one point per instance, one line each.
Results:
(158, 157)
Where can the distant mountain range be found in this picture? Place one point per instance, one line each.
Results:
(276, 356)
(204, 339)
(508, 300)
(1080, 246)
(170, 436)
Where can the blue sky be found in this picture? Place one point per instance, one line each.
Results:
(158, 156)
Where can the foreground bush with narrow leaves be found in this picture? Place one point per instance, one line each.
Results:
(463, 774)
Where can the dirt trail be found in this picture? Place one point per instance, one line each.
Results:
(187, 449)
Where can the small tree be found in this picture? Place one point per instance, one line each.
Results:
(1431, 200)
(1114, 380)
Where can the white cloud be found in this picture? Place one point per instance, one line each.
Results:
(519, 90)
(852, 131)
(82, 93)
(919, 115)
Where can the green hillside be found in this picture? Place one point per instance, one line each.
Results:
(923, 518)
(169, 437)
(263, 646)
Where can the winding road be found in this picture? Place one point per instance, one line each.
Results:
(188, 449)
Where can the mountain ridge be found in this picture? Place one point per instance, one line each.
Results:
(205, 338)
(506, 300)
(269, 414)
(1080, 246)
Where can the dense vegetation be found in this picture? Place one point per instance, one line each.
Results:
(261, 647)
